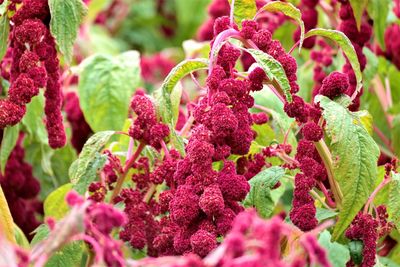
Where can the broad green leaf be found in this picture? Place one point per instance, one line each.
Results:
(243, 9)
(4, 31)
(20, 238)
(6, 220)
(289, 10)
(273, 69)
(92, 147)
(358, 7)
(394, 199)
(338, 254)
(366, 120)
(106, 85)
(33, 120)
(167, 100)
(66, 16)
(345, 44)
(69, 255)
(260, 190)
(354, 155)
(55, 206)
(356, 247)
(378, 10)
(3, 7)
(265, 134)
(91, 173)
(10, 137)
(385, 262)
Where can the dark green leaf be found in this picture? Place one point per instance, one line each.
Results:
(394, 199)
(338, 254)
(243, 9)
(10, 137)
(106, 85)
(273, 69)
(354, 155)
(289, 10)
(4, 31)
(91, 148)
(66, 16)
(378, 10)
(358, 7)
(345, 44)
(356, 248)
(55, 206)
(260, 191)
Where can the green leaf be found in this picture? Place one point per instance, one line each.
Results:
(366, 120)
(243, 9)
(3, 7)
(69, 255)
(356, 248)
(33, 120)
(4, 31)
(354, 155)
(358, 7)
(106, 85)
(66, 16)
(168, 95)
(395, 133)
(94, 8)
(20, 237)
(344, 42)
(379, 11)
(323, 214)
(289, 10)
(394, 199)
(338, 254)
(260, 190)
(55, 205)
(265, 134)
(6, 220)
(371, 68)
(273, 69)
(92, 147)
(10, 137)
(91, 173)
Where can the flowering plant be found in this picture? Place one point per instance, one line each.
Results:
(273, 142)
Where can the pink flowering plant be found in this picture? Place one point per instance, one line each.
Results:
(199, 133)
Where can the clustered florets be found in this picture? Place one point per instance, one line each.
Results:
(21, 190)
(34, 65)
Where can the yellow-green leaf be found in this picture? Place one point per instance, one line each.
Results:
(54, 205)
(6, 220)
(358, 7)
(243, 9)
(4, 31)
(289, 10)
(10, 137)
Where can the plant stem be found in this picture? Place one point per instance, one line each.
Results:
(326, 157)
(384, 182)
(128, 165)
(149, 193)
(329, 200)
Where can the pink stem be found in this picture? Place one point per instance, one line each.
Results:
(385, 181)
(329, 200)
(231, 13)
(130, 148)
(165, 149)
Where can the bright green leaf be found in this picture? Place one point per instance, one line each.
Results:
(10, 137)
(354, 155)
(344, 42)
(366, 120)
(338, 254)
(20, 237)
(358, 7)
(243, 9)
(260, 190)
(265, 134)
(92, 147)
(106, 85)
(323, 214)
(273, 69)
(66, 16)
(4, 31)
(33, 120)
(55, 206)
(289, 10)
(395, 134)
(394, 199)
(378, 10)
